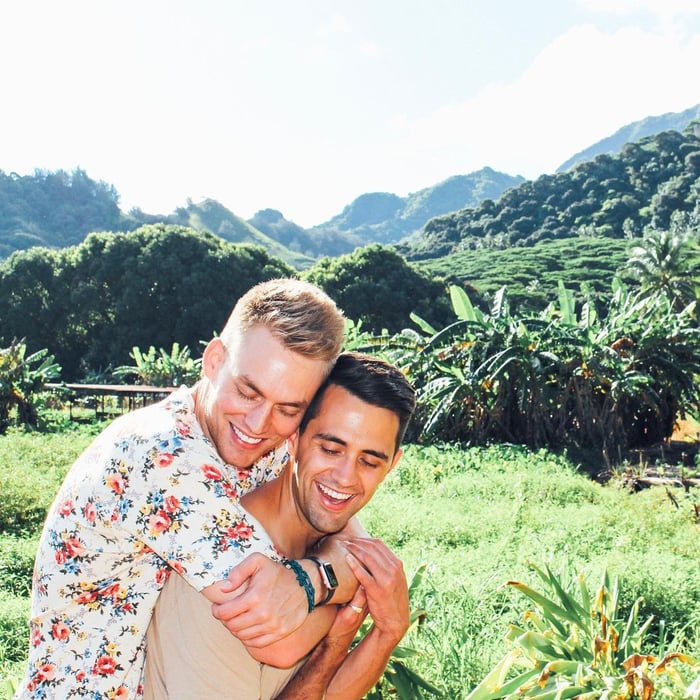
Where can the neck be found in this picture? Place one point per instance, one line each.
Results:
(272, 504)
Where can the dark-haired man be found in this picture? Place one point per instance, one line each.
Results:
(348, 441)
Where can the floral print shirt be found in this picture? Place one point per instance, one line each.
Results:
(150, 494)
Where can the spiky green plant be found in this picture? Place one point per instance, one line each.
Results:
(574, 645)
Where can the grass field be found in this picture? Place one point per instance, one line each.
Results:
(474, 517)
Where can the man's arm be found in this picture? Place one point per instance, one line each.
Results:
(265, 601)
(291, 648)
(330, 669)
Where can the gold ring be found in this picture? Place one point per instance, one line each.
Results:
(356, 608)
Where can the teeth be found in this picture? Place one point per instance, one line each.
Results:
(335, 494)
(246, 438)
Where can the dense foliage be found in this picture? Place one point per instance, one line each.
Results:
(561, 377)
(377, 287)
(54, 209)
(610, 196)
(22, 378)
(92, 303)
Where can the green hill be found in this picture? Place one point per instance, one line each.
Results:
(649, 182)
(676, 121)
(382, 217)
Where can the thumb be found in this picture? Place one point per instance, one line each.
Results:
(239, 575)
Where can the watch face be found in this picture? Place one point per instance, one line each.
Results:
(332, 580)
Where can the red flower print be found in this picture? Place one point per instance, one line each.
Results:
(86, 597)
(242, 531)
(229, 490)
(80, 675)
(75, 548)
(90, 512)
(66, 508)
(162, 575)
(104, 666)
(183, 429)
(159, 522)
(176, 566)
(172, 504)
(116, 483)
(211, 472)
(60, 556)
(110, 591)
(46, 672)
(121, 693)
(37, 639)
(60, 631)
(164, 459)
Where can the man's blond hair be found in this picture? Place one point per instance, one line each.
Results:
(302, 316)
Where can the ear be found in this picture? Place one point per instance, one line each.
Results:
(213, 357)
(293, 444)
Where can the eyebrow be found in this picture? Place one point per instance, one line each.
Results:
(329, 437)
(252, 385)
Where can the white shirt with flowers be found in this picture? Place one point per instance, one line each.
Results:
(149, 494)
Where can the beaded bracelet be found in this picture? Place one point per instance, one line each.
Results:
(303, 580)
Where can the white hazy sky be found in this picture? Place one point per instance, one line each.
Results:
(302, 105)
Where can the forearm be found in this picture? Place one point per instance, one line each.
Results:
(333, 549)
(362, 667)
(312, 679)
(295, 646)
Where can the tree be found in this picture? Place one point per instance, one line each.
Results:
(377, 286)
(154, 286)
(662, 265)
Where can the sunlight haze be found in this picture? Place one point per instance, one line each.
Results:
(303, 106)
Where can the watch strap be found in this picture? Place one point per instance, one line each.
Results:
(324, 578)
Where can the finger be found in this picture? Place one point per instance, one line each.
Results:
(378, 561)
(241, 573)
(359, 599)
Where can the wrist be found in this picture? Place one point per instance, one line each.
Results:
(304, 580)
(327, 575)
(315, 577)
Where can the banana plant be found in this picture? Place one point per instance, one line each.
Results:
(161, 368)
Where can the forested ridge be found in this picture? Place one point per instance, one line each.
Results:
(613, 196)
(90, 302)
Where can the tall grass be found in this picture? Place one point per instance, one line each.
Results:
(475, 516)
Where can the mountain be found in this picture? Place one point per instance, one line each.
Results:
(483, 208)
(612, 196)
(676, 121)
(211, 216)
(382, 217)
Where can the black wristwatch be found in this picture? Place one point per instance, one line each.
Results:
(330, 580)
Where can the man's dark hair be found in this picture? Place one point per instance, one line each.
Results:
(372, 380)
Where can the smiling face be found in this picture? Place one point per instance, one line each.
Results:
(342, 456)
(254, 394)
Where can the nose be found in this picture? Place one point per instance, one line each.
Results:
(258, 418)
(344, 471)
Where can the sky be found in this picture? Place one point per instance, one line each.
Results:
(303, 105)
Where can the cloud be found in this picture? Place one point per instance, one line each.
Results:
(664, 10)
(580, 88)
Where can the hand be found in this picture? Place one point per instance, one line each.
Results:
(260, 602)
(381, 575)
(348, 620)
